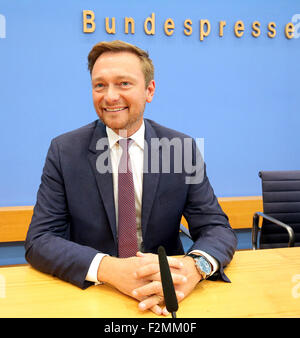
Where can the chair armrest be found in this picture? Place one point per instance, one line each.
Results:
(185, 231)
(255, 228)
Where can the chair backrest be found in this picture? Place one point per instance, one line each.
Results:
(281, 200)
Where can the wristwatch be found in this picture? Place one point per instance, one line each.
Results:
(203, 265)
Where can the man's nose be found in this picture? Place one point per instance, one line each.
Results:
(112, 95)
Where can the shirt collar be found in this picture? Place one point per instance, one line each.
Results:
(138, 136)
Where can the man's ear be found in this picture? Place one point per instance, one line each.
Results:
(150, 91)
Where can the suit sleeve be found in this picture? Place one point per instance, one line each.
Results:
(208, 224)
(48, 245)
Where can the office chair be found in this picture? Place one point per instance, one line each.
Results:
(281, 205)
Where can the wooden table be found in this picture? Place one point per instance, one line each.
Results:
(265, 283)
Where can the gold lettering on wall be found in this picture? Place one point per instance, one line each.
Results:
(169, 27)
(112, 29)
(132, 25)
(239, 28)
(222, 24)
(289, 30)
(256, 29)
(89, 25)
(204, 29)
(272, 30)
(188, 27)
(150, 21)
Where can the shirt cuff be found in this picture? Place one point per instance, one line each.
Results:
(92, 275)
(212, 260)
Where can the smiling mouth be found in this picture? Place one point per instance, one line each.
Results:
(113, 110)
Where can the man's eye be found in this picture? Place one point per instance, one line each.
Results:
(99, 85)
(125, 83)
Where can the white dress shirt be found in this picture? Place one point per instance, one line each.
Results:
(136, 152)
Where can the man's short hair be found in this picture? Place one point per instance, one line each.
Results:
(118, 46)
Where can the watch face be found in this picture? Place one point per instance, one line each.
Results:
(204, 265)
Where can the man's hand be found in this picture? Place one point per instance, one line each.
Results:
(184, 278)
(125, 275)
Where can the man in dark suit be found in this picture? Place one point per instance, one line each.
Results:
(75, 229)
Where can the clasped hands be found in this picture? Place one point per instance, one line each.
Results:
(139, 277)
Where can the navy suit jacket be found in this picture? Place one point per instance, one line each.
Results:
(74, 216)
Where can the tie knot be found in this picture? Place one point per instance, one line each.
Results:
(125, 143)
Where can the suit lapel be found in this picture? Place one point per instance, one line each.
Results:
(98, 151)
(150, 180)
(100, 163)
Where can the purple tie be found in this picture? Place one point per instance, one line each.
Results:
(127, 236)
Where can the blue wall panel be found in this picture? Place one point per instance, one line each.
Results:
(240, 94)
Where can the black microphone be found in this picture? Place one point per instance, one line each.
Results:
(167, 282)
